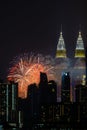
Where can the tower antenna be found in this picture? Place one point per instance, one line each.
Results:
(61, 27)
(80, 27)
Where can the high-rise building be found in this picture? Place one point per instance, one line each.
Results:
(65, 88)
(86, 63)
(80, 93)
(43, 88)
(9, 103)
(79, 52)
(33, 101)
(47, 90)
(61, 50)
(52, 92)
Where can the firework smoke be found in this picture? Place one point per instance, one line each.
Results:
(26, 70)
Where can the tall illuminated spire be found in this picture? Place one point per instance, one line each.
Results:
(61, 50)
(79, 52)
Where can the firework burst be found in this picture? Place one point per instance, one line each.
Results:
(26, 70)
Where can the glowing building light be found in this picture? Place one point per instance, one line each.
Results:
(61, 50)
(79, 52)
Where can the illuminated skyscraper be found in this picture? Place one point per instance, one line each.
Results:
(79, 52)
(61, 50)
(9, 103)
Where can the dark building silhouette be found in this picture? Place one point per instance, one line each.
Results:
(43, 79)
(80, 93)
(47, 90)
(65, 89)
(43, 88)
(37, 105)
(31, 107)
(48, 109)
(81, 102)
(33, 100)
(52, 92)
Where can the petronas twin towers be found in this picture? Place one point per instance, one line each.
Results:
(61, 49)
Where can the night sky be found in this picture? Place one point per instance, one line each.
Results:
(27, 26)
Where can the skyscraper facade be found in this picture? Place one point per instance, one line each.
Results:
(65, 88)
(9, 103)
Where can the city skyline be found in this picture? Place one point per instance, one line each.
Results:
(41, 109)
(35, 27)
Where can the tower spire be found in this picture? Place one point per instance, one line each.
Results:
(79, 51)
(80, 27)
(61, 50)
(61, 27)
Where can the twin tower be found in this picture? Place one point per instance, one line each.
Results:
(61, 50)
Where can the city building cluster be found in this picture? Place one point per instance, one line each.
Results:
(40, 109)
(48, 105)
